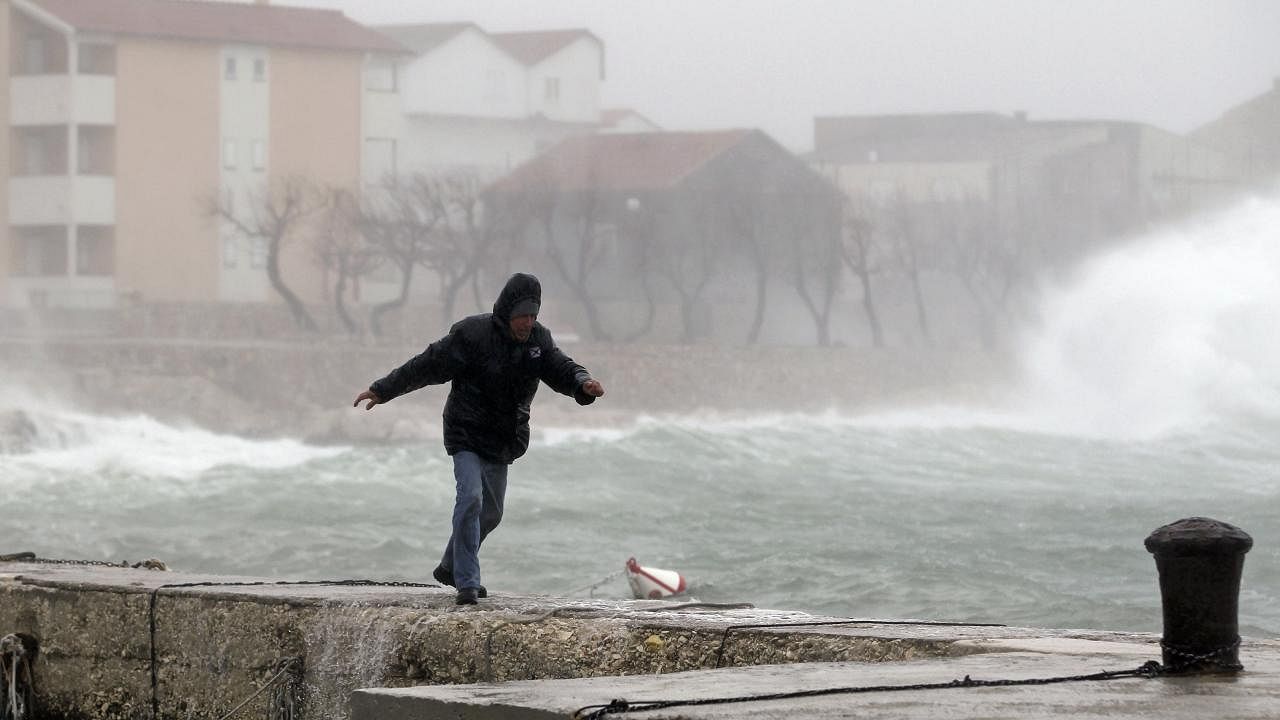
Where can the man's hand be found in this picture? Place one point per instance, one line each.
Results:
(373, 399)
(593, 388)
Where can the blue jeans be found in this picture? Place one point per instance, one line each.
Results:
(477, 510)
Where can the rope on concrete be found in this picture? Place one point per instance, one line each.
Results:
(17, 701)
(286, 665)
(1148, 669)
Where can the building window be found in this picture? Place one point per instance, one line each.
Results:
(259, 155)
(96, 59)
(40, 251)
(229, 154)
(258, 258)
(230, 252)
(95, 150)
(495, 85)
(551, 90)
(882, 192)
(40, 150)
(229, 68)
(945, 189)
(35, 54)
(35, 153)
(380, 75)
(259, 70)
(95, 250)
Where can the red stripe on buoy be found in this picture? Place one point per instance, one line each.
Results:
(635, 567)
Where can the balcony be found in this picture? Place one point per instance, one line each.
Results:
(64, 291)
(62, 100)
(62, 200)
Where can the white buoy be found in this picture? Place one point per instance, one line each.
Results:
(648, 583)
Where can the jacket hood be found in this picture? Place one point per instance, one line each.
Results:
(521, 286)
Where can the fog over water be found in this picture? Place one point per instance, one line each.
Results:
(1150, 391)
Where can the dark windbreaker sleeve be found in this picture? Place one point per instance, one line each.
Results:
(563, 375)
(438, 364)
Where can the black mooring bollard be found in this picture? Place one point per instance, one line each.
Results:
(1200, 562)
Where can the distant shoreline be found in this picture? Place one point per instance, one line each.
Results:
(304, 390)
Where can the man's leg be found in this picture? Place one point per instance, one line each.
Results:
(495, 493)
(461, 555)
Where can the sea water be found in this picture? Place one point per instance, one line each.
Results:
(1148, 391)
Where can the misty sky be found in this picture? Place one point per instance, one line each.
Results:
(775, 65)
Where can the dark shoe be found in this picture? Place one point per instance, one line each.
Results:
(466, 596)
(445, 577)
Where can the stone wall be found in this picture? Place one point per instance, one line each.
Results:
(217, 641)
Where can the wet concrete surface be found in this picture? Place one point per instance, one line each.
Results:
(1254, 693)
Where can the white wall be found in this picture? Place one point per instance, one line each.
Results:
(576, 67)
(468, 75)
(245, 155)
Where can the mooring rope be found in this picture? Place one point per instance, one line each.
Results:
(1148, 669)
(285, 666)
(16, 693)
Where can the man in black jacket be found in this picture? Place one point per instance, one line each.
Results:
(494, 361)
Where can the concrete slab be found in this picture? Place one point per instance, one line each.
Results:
(116, 642)
(1254, 693)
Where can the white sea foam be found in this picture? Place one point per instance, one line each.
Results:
(76, 442)
(1169, 334)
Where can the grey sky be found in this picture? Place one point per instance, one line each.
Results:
(775, 65)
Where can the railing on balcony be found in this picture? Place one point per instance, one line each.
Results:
(62, 100)
(62, 199)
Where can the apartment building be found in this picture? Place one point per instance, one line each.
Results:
(126, 120)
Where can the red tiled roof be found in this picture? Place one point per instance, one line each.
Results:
(221, 22)
(623, 162)
(532, 48)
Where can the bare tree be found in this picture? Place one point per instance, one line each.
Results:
(687, 257)
(340, 248)
(909, 248)
(274, 215)
(814, 262)
(746, 216)
(986, 259)
(641, 227)
(570, 229)
(861, 251)
(400, 219)
(466, 235)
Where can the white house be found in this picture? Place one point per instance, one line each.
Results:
(486, 102)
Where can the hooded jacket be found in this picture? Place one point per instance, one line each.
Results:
(494, 377)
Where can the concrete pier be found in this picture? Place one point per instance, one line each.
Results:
(1253, 694)
(129, 643)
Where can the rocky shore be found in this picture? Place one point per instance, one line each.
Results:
(304, 389)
